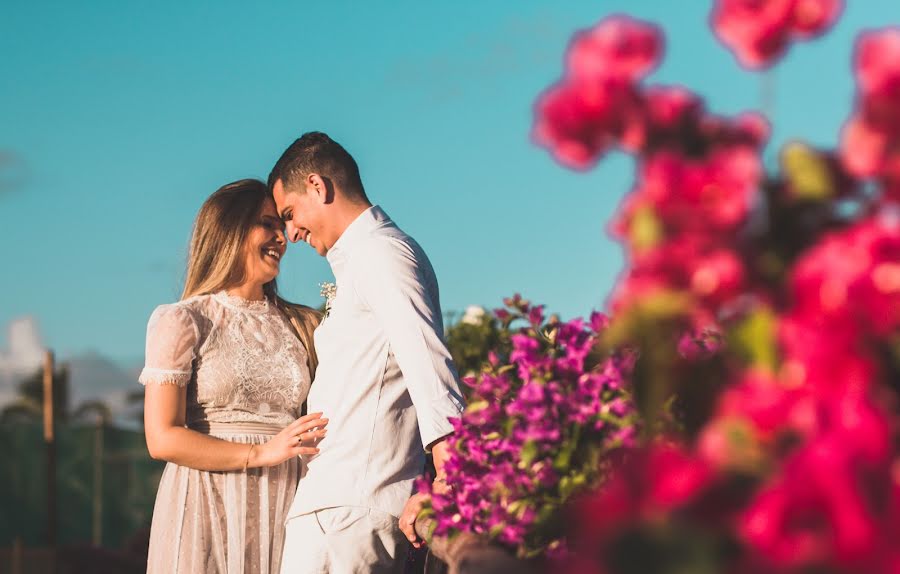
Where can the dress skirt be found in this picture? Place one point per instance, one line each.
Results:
(223, 522)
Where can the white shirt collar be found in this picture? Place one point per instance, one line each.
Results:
(372, 218)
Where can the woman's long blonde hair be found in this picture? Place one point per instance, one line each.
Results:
(215, 261)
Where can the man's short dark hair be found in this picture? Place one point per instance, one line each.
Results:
(315, 152)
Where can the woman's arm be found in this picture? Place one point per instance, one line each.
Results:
(169, 440)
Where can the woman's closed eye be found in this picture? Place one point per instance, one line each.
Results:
(272, 224)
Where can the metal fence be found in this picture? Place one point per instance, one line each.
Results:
(105, 487)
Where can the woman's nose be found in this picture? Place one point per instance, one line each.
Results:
(280, 237)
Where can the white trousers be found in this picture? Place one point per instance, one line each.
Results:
(344, 540)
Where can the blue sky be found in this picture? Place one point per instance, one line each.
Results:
(119, 118)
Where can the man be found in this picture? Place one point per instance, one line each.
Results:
(385, 377)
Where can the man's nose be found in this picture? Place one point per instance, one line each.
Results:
(292, 233)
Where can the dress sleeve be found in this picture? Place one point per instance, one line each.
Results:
(172, 337)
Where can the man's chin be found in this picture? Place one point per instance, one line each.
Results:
(320, 249)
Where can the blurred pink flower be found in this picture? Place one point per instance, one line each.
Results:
(697, 345)
(870, 141)
(713, 274)
(819, 509)
(713, 193)
(596, 106)
(759, 31)
(851, 278)
(824, 355)
(659, 478)
(619, 47)
(581, 121)
(877, 68)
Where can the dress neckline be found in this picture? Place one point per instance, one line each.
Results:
(241, 304)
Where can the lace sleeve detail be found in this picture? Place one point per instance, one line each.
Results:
(172, 337)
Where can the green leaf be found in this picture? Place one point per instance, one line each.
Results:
(645, 230)
(571, 484)
(565, 486)
(529, 452)
(546, 512)
(754, 337)
(562, 460)
(476, 406)
(496, 529)
(807, 172)
(657, 308)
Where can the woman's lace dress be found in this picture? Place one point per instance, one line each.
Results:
(246, 375)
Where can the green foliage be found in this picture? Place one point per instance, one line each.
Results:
(28, 405)
(129, 482)
(472, 338)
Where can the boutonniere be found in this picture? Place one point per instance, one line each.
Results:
(329, 291)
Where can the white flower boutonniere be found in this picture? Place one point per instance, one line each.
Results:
(329, 291)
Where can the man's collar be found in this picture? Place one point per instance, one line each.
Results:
(370, 219)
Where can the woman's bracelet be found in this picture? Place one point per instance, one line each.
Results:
(247, 462)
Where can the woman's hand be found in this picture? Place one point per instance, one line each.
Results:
(299, 437)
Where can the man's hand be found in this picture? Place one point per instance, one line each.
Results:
(408, 518)
(440, 454)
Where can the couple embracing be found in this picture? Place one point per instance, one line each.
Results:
(250, 484)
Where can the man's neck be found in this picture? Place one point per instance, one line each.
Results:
(348, 214)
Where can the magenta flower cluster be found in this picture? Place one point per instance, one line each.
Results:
(542, 414)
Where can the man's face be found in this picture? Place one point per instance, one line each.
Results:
(302, 214)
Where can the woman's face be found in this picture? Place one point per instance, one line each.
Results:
(264, 246)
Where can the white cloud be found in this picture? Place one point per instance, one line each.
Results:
(92, 376)
(23, 354)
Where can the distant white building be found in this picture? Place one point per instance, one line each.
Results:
(474, 315)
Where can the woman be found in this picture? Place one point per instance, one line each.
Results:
(227, 369)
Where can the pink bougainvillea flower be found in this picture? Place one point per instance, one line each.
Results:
(596, 106)
(713, 193)
(619, 47)
(870, 141)
(877, 69)
(659, 478)
(852, 277)
(759, 31)
(809, 18)
(538, 408)
(819, 510)
(579, 121)
(713, 274)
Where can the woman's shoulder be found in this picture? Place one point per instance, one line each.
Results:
(186, 311)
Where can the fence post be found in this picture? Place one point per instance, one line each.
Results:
(50, 447)
(17, 552)
(97, 531)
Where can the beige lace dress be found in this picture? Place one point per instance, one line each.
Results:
(246, 375)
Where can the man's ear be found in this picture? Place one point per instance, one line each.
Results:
(321, 186)
(315, 185)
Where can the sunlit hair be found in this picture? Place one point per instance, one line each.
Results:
(216, 258)
(315, 152)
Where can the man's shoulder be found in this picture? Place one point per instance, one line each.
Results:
(388, 243)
